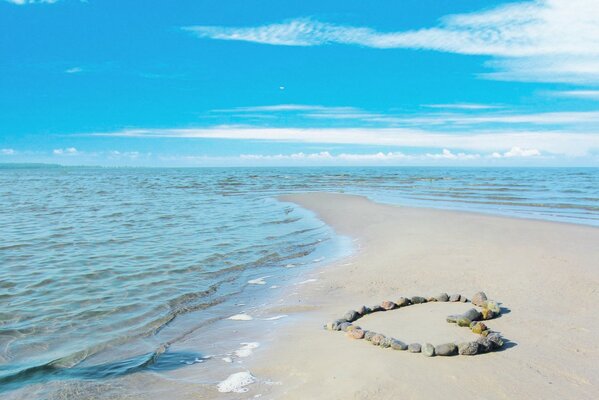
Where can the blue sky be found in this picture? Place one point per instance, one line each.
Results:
(194, 83)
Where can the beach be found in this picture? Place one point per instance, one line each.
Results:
(544, 274)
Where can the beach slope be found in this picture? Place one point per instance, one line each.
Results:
(546, 275)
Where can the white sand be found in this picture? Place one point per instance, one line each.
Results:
(546, 274)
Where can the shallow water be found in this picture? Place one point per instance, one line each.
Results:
(103, 270)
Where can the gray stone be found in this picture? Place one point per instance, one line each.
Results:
(484, 345)
(493, 306)
(465, 322)
(454, 297)
(495, 339)
(364, 310)
(402, 302)
(351, 316)
(376, 308)
(414, 347)
(479, 298)
(369, 335)
(398, 345)
(447, 349)
(468, 348)
(428, 350)
(452, 318)
(388, 305)
(377, 339)
(344, 325)
(473, 314)
(386, 343)
(442, 297)
(463, 299)
(418, 300)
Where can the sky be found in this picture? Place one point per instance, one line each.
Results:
(306, 83)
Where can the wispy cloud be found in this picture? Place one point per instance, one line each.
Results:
(463, 106)
(562, 143)
(69, 151)
(580, 94)
(23, 2)
(7, 152)
(73, 70)
(285, 108)
(541, 40)
(517, 152)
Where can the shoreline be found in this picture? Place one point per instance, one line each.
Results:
(547, 289)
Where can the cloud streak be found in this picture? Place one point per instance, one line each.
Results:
(542, 40)
(561, 143)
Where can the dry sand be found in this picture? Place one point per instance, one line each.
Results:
(546, 275)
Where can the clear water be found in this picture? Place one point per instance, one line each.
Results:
(93, 259)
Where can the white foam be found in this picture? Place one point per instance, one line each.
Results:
(227, 359)
(274, 287)
(307, 281)
(236, 383)
(258, 281)
(317, 260)
(274, 318)
(241, 317)
(246, 349)
(290, 266)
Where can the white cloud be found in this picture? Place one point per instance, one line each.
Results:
(581, 94)
(23, 2)
(556, 142)
(7, 152)
(73, 70)
(286, 108)
(448, 155)
(463, 106)
(517, 152)
(68, 151)
(541, 40)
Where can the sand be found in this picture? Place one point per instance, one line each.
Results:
(545, 274)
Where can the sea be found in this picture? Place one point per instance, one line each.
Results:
(104, 270)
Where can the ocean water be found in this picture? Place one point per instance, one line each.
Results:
(102, 270)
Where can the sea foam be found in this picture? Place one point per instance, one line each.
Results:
(236, 383)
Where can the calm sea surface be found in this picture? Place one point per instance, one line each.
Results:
(94, 259)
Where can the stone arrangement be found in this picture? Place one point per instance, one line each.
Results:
(472, 319)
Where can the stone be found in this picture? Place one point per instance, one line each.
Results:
(364, 310)
(447, 349)
(414, 347)
(473, 314)
(431, 299)
(357, 334)
(463, 299)
(487, 314)
(402, 302)
(428, 350)
(388, 305)
(344, 325)
(493, 306)
(484, 345)
(368, 335)
(442, 297)
(377, 339)
(376, 308)
(479, 328)
(351, 328)
(386, 343)
(418, 300)
(398, 345)
(479, 298)
(452, 318)
(351, 316)
(485, 333)
(463, 322)
(495, 340)
(337, 324)
(454, 297)
(468, 348)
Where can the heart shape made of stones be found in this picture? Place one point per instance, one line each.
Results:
(472, 319)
